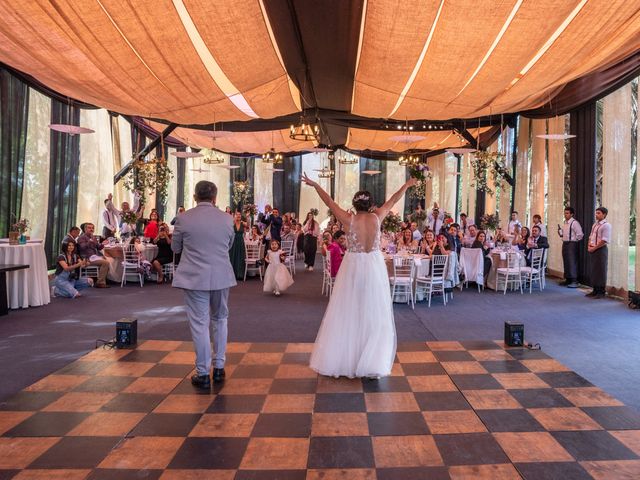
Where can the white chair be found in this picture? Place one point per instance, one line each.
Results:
(290, 259)
(131, 264)
(402, 279)
(434, 282)
(511, 273)
(472, 262)
(252, 259)
(327, 279)
(534, 273)
(168, 269)
(90, 271)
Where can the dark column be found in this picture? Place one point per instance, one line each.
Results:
(480, 205)
(582, 157)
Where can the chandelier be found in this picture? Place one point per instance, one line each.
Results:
(408, 160)
(347, 159)
(325, 170)
(215, 158)
(271, 157)
(304, 132)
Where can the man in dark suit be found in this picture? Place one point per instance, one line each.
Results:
(274, 222)
(536, 240)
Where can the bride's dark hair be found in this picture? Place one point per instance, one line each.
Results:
(362, 201)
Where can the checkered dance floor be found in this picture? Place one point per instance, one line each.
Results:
(450, 410)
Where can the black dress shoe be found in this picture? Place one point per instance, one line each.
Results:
(598, 296)
(218, 375)
(591, 294)
(201, 381)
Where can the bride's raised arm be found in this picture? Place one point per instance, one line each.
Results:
(395, 198)
(341, 215)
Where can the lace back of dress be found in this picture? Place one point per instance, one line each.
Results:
(364, 233)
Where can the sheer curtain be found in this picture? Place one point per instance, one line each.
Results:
(555, 200)
(263, 183)
(308, 197)
(522, 169)
(35, 193)
(170, 208)
(95, 179)
(616, 146)
(538, 154)
(348, 181)
(450, 184)
(465, 188)
(396, 177)
(213, 173)
(504, 200)
(126, 152)
(491, 201)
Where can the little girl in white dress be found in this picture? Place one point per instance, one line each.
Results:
(277, 277)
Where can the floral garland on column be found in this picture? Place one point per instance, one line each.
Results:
(485, 163)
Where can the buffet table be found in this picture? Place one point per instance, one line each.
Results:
(27, 287)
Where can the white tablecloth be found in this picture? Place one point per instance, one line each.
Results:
(499, 260)
(114, 255)
(30, 287)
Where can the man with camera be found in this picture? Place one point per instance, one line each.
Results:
(165, 254)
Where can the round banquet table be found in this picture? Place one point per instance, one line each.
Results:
(29, 287)
(422, 263)
(114, 255)
(499, 260)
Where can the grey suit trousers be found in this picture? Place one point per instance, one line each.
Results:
(207, 308)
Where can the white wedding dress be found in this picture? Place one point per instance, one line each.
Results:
(357, 337)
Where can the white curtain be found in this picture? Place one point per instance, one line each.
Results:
(504, 199)
(396, 177)
(538, 155)
(347, 181)
(522, 169)
(95, 178)
(616, 164)
(263, 183)
(555, 200)
(124, 137)
(450, 184)
(35, 192)
(170, 208)
(308, 197)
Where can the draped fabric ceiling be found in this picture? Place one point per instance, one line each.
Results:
(357, 67)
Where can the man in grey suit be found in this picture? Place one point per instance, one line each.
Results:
(204, 236)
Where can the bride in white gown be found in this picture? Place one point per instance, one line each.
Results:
(357, 337)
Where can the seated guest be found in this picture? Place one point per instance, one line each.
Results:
(481, 242)
(537, 222)
(228, 210)
(501, 237)
(72, 236)
(428, 243)
(165, 254)
(417, 236)
(336, 251)
(453, 238)
(152, 228)
(326, 241)
(335, 228)
(287, 234)
(441, 247)
(145, 265)
(254, 236)
(522, 238)
(67, 281)
(470, 237)
(407, 242)
(180, 210)
(89, 249)
(536, 240)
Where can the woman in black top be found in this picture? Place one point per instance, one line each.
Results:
(67, 283)
(479, 242)
(165, 254)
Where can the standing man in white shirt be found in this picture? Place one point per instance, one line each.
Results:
(599, 253)
(465, 223)
(571, 233)
(109, 220)
(512, 224)
(434, 222)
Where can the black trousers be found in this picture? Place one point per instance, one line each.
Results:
(310, 249)
(570, 260)
(599, 260)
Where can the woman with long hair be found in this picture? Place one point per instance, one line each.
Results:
(311, 231)
(357, 337)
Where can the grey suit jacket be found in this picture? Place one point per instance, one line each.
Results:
(203, 235)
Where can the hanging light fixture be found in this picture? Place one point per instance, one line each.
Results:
(271, 156)
(347, 159)
(325, 170)
(304, 131)
(214, 158)
(408, 160)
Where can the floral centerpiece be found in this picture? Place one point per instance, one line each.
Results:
(18, 230)
(392, 223)
(130, 218)
(489, 222)
(241, 191)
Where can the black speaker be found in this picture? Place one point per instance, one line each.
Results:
(514, 334)
(126, 332)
